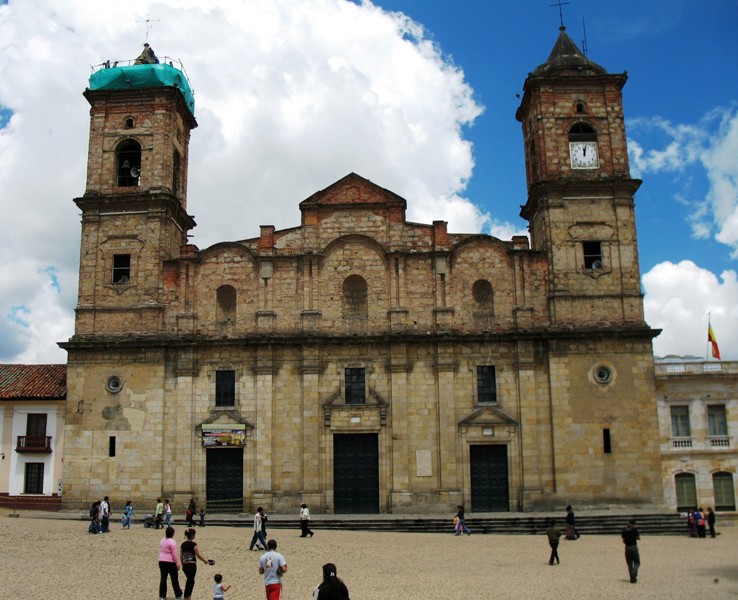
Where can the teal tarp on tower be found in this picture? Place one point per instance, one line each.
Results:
(143, 76)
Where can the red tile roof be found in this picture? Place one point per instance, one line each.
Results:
(33, 381)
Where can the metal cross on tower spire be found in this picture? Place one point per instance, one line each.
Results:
(148, 20)
(561, 13)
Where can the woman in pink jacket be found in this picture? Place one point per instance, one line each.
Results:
(169, 565)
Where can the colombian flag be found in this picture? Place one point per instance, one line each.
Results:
(713, 341)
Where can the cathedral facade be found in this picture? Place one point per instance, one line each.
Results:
(361, 363)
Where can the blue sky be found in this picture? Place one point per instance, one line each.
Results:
(417, 95)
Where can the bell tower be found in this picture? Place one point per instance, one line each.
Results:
(134, 210)
(580, 205)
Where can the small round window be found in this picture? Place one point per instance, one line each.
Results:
(602, 374)
(114, 384)
(482, 292)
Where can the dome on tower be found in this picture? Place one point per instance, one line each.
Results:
(145, 71)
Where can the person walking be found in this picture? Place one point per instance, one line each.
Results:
(94, 517)
(553, 533)
(188, 555)
(257, 539)
(272, 566)
(461, 522)
(305, 521)
(169, 565)
(331, 588)
(190, 514)
(127, 519)
(168, 512)
(264, 520)
(630, 537)
(699, 517)
(220, 588)
(105, 515)
(711, 521)
(571, 524)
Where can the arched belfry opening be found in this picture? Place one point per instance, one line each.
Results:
(128, 163)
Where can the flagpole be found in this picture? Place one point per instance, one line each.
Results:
(707, 347)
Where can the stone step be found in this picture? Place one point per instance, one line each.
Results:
(658, 524)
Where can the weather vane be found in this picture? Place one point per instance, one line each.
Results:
(148, 22)
(561, 13)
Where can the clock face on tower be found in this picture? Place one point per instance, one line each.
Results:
(584, 155)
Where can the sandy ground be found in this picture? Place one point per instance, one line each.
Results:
(47, 559)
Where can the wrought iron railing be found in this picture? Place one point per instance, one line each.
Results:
(33, 443)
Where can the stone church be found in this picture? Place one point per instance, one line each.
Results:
(361, 363)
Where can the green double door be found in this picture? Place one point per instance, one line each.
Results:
(224, 480)
(356, 473)
(489, 478)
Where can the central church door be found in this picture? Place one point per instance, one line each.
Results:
(224, 480)
(356, 473)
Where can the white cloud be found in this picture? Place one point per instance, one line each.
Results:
(711, 145)
(505, 230)
(678, 300)
(291, 95)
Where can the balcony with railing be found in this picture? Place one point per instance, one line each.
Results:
(666, 367)
(34, 443)
(709, 442)
(717, 441)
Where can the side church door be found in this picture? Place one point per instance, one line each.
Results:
(489, 478)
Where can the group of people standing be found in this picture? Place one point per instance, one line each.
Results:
(699, 521)
(100, 516)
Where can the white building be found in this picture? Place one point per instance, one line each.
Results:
(32, 408)
(698, 419)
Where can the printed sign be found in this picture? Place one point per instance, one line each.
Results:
(218, 434)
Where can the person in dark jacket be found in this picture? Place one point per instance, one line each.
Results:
(630, 537)
(711, 521)
(553, 533)
(332, 588)
(571, 524)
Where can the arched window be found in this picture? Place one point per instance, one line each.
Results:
(482, 293)
(722, 486)
(128, 123)
(355, 300)
(226, 304)
(128, 163)
(686, 491)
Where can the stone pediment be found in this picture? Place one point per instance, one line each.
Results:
(375, 408)
(225, 417)
(353, 190)
(488, 416)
